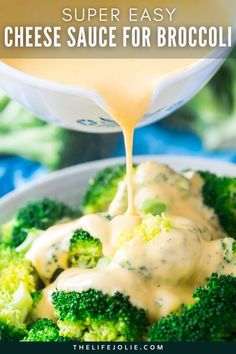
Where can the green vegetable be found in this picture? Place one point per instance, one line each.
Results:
(15, 269)
(32, 218)
(102, 189)
(212, 112)
(13, 315)
(85, 250)
(150, 228)
(151, 206)
(43, 330)
(93, 316)
(211, 318)
(4, 100)
(23, 134)
(32, 235)
(229, 247)
(11, 333)
(36, 298)
(219, 193)
(17, 280)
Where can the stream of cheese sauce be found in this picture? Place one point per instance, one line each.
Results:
(126, 85)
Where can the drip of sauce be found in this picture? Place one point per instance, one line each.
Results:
(128, 138)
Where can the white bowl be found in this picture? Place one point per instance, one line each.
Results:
(70, 183)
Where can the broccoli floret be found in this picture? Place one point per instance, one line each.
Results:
(36, 298)
(13, 314)
(229, 248)
(17, 280)
(23, 134)
(15, 269)
(36, 215)
(152, 206)
(211, 318)
(219, 193)
(10, 333)
(93, 316)
(43, 330)
(32, 235)
(18, 309)
(150, 227)
(102, 189)
(85, 250)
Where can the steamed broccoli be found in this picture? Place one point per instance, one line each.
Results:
(85, 250)
(17, 280)
(102, 189)
(43, 330)
(36, 298)
(11, 333)
(212, 112)
(93, 316)
(13, 314)
(229, 247)
(23, 134)
(150, 227)
(153, 206)
(35, 216)
(219, 193)
(211, 318)
(15, 269)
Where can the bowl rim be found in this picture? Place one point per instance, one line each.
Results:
(208, 164)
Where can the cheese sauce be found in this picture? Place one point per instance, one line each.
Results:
(158, 274)
(49, 252)
(181, 196)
